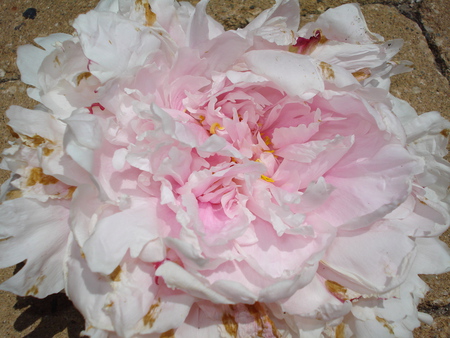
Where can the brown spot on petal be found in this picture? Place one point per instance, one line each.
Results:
(37, 176)
(340, 331)
(230, 324)
(362, 74)
(13, 194)
(115, 275)
(336, 289)
(56, 61)
(47, 151)
(234, 160)
(12, 132)
(152, 314)
(34, 290)
(259, 313)
(168, 334)
(319, 34)
(70, 192)
(108, 305)
(33, 141)
(445, 132)
(385, 324)
(327, 70)
(83, 76)
(150, 17)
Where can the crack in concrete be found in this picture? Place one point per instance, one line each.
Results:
(412, 12)
(10, 79)
(434, 310)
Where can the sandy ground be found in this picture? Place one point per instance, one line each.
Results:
(422, 24)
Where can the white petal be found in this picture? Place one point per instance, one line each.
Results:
(127, 230)
(36, 232)
(294, 73)
(345, 23)
(87, 290)
(30, 57)
(115, 45)
(177, 278)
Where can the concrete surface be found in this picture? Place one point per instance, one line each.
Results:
(423, 24)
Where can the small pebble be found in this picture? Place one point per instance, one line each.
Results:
(12, 90)
(30, 13)
(2, 73)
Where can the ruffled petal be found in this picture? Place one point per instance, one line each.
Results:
(26, 228)
(30, 57)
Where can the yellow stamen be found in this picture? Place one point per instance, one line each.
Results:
(267, 140)
(267, 179)
(83, 76)
(215, 126)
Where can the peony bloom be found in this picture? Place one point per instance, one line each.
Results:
(179, 180)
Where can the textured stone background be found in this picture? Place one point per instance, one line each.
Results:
(423, 24)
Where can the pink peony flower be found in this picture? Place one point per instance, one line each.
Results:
(181, 180)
